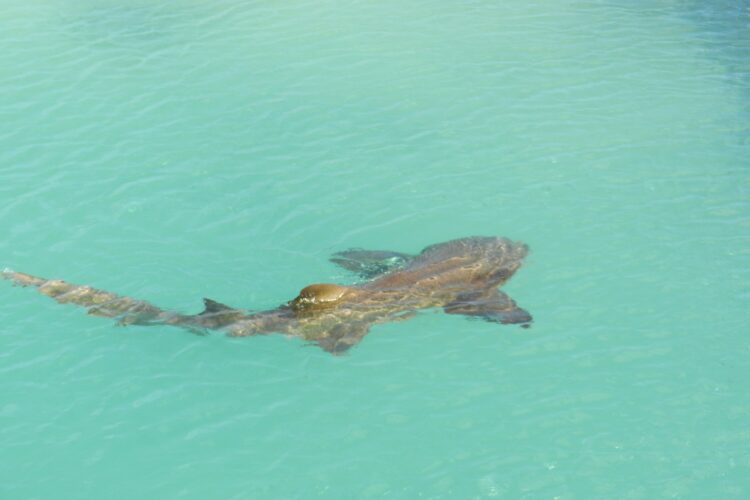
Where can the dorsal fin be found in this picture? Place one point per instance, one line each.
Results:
(213, 307)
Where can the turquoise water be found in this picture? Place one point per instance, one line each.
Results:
(177, 150)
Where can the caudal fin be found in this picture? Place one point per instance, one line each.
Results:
(21, 279)
(98, 302)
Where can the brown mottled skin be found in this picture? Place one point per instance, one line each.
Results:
(461, 276)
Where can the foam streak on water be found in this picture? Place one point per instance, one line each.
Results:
(178, 150)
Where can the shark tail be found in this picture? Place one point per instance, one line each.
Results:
(98, 302)
(21, 279)
(126, 310)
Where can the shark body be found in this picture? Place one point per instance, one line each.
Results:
(460, 276)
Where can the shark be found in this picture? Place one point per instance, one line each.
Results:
(460, 276)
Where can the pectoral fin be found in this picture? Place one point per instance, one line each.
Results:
(370, 263)
(490, 305)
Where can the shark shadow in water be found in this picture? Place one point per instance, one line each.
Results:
(460, 276)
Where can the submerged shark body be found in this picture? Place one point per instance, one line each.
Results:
(461, 276)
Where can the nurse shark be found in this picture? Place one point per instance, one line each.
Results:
(460, 276)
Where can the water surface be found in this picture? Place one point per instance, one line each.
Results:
(171, 151)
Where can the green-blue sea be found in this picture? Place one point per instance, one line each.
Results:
(171, 151)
